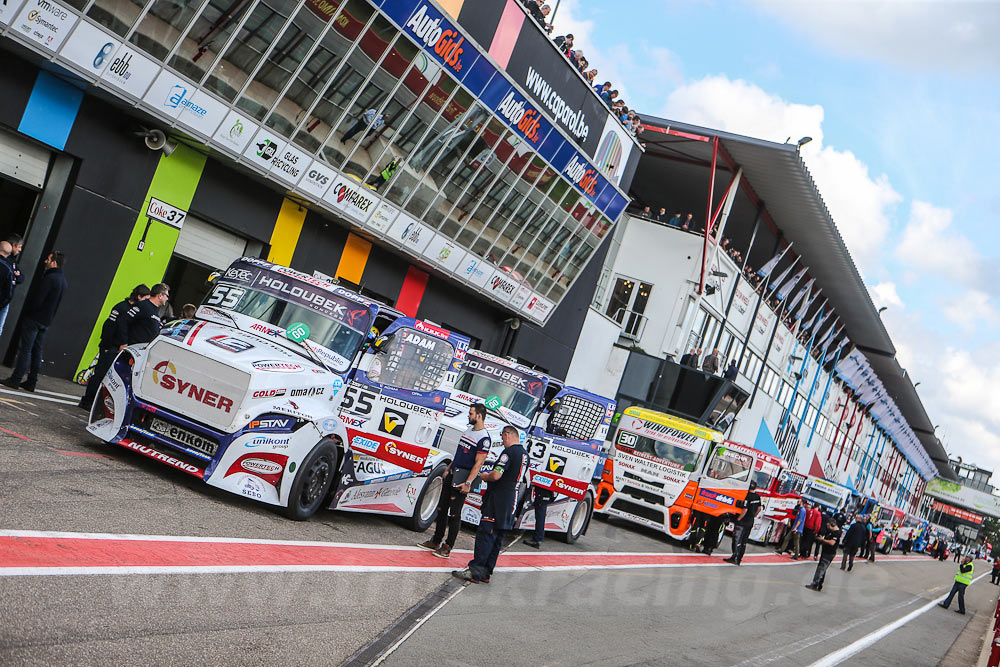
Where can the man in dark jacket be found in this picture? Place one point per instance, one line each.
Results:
(38, 314)
(853, 540)
(114, 335)
(144, 325)
(6, 281)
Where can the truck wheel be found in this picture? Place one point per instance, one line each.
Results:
(427, 503)
(312, 484)
(578, 521)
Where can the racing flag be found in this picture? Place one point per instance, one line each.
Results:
(818, 317)
(784, 274)
(786, 289)
(807, 302)
(765, 270)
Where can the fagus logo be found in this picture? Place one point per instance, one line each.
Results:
(446, 43)
(583, 175)
(524, 117)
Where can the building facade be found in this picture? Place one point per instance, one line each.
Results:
(449, 163)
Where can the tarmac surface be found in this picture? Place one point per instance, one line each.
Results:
(231, 582)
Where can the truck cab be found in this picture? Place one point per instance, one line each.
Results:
(666, 473)
(777, 504)
(564, 430)
(831, 496)
(248, 396)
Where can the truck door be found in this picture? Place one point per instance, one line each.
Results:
(724, 482)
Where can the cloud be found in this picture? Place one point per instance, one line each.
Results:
(928, 245)
(970, 309)
(885, 294)
(653, 67)
(861, 205)
(919, 36)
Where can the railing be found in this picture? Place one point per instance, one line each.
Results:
(633, 325)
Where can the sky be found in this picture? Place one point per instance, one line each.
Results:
(902, 100)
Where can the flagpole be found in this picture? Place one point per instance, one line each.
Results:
(746, 258)
(795, 395)
(760, 297)
(826, 392)
(767, 353)
(864, 461)
(812, 387)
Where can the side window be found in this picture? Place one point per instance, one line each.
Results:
(727, 464)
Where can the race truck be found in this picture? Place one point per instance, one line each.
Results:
(888, 519)
(668, 473)
(777, 503)
(830, 495)
(291, 391)
(564, 431)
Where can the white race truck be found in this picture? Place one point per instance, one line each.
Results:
(293, 392)
(564, 431)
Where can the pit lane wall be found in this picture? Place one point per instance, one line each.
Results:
(493, 194)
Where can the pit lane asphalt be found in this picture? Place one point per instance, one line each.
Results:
(61, 479)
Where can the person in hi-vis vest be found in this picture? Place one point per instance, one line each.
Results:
(962, 581)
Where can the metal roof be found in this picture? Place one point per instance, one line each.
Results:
(777, 174)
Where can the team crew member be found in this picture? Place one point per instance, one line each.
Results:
(541, 505)
(499, 503)
(143, 323)
(962, 581)
(741, 531)
(852, 540)
(814, 523)
(829, 540)
(114, 335)
(794, 533)
(459, 479)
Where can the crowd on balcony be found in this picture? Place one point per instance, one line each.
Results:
(628, 117)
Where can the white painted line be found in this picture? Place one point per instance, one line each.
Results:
(416, 626)
(27, 394)
(58, 395)
(856, 647)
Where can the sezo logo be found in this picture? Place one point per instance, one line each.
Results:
(266, 150)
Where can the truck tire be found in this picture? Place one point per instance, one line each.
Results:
(578, 522)
(312, 484)
(427, 503)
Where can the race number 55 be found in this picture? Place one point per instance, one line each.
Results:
(225, 296)
(358, 400)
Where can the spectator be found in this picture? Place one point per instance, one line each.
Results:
(711, 362)
(589, 76)
(188, 311)
(690, 359)
(38, 314)
(794, 536)
(829, 540)
(603, 88)
(369, 120)
(814, 523)
(565, 44)
(582, 64)
(114, 334)
(16, 245)
(731, 372)
(852, 541)
(661, 216)
(7, 280)
(676, 220)
(646, 213)
(688, 223)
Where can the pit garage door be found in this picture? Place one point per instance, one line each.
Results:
(23, 161)
(211, 246)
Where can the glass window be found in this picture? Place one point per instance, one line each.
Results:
(118, 15)
(255, 38)
(412, 360)
(520, 402)
(283, 61)
(729, 464)
(163, 25)
(210, 33)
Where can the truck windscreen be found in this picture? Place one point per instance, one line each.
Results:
(413, 361)
(825, 497)
(338, 337)
(512, 399)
